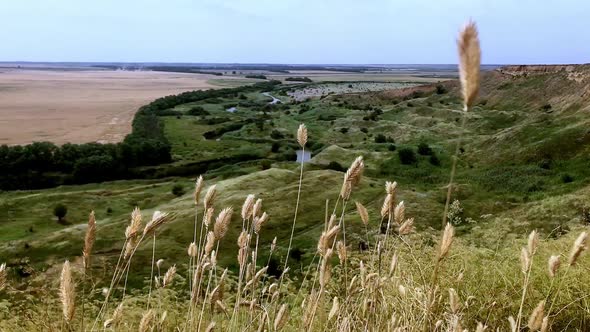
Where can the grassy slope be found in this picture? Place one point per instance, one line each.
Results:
(499, 171)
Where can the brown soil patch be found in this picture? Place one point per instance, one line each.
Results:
(80, 106)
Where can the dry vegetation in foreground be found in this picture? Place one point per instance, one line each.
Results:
(402, 282)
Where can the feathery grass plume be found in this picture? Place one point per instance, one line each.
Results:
(243, 239)
(390, 187)
(553, 265)
(210, 327)
(132, 232)
(326, 238)
(67, 294)
(399, 213)
(334, 310)
(115, 318)
(525, 260)
(281, 318)
(480, 327)
(257, 208)
(536, 318)
(406, 227)
(469, 62)
(533, 242)
(302, 135)
(325, 269)
(363, 213)
(210, 197)
(352, 177)
(331, 222)
(158, 219)
(273, 244)
(247, 206)
(341, 249)
(3, 275)
(545, 324)
(578, 247)
(192, 249)
(259, 221)
(169, 276)
(387, 204)
(89, 239)
(222, 223)
(512, 322)
(198, 189)
(146, 321)
(447, 240)
(209, 243)
(454, 302)
(393, 264)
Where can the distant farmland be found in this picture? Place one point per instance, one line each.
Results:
(80, 105)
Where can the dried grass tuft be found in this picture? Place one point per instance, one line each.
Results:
(67, 293)
(302, 135)
(89, 240)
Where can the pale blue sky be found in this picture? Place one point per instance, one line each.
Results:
(292, 31)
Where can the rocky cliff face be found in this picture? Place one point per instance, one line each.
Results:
(574, 72)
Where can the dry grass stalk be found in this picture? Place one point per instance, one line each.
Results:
(208, 216)
(480, 327)
(326, 238)
(210, 327)
(209, 243)
(3, 276)
(115, 318)
(525, 260)
(342, 253)
(89, 240)
(222, 223)
(363, 213)
(132, 232)
(545, 324)
(399, 213)
(192, 249)
(158, 219)
(169, 276)
(536, 318)
(447, 240)
(198, 189)
(533, 242)
(67, 294)
(578, 247)
(393, 264)
(302, 135)
(281, 318)
(469, 62)
(387, 205)
(210, 197)
(257, 208)
(146, 321)
(352, 177)
(259, 221)
(247, 206)
(553, 263)
(334, 310)
(454, 302)
(406, 227)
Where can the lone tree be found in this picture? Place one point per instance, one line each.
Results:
(60, 212)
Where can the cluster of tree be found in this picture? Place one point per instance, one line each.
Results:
(260, 76)
(299, 79)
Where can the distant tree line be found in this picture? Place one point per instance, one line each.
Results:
(260, 77)
(44, 164)
(299, 79)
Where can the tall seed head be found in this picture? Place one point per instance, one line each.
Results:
(66, 292)
(257, 208)
(210, 197)
(454, 302)
(335, 307)
(247, 206)
(447, 240)
(192, 249)
(536, 318)
(3, 276)
(352, 177)
(169, 276)
(198, 189)
(525, 260)
(89, 240)
(302, 135)
(146, 320)
(533, 242)
(341, 249)
(363, 213)
(553, 265)
(259, 221)
(469, 63)
(399, 212)
(222, 223)
(158, 219)
(208, 216)
(578, 247)
(406, 227)
(387, 205)
(281, 318)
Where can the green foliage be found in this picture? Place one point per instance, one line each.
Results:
(177, 190)
(257, 76)
(424, 149)
(298, 79)
(407, 156)
(60, 211)
(440, 89)
(198, 111)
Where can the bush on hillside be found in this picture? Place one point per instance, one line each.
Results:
(424, 149)
(407, 156)
(177, 190)
(60, 211)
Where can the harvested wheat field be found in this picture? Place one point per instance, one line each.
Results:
(80, 106)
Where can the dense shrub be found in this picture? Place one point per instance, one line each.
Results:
(60, 212)
(275, 134)
(407, 156)
(335, 166)
(424, 149)
(260, 77)
(177, 190)
(566, 178)
(434, 160)
(440, 89)
(380, 138)
(198, 111)
(391, 147)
